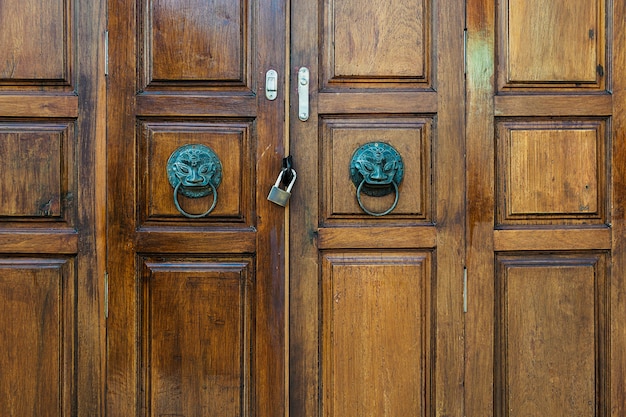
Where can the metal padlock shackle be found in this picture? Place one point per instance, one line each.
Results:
(280, 178)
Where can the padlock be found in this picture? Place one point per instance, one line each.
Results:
(278, 195)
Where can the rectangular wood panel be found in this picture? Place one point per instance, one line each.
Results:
(549, 170)
(229, 140)
(37, 337)
(197, 346)
(37, 162)
(551, 337)
(410, 137)
(557, 42)
(35, 40)
(196, 41)
(376, 42)
(376, 321)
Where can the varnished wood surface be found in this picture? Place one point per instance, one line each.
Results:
(538, 221)
(12, 105)
(377, 237)
(546, 119)
(553, 105)
(52, 242)
(347, 268)
(206, 291)
(616, 373)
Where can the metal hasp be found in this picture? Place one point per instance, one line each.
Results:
(271, 84)
(303, 94)
(376, 169)
(194, 171)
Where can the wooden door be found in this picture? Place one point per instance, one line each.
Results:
(546, 254)
(51, 207)
(376, 319)
(196, 323)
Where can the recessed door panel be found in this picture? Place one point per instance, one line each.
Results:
(197, 342)
(551, 334)
(369, 365)
(38, 337)
(37, 41)
(553, 45)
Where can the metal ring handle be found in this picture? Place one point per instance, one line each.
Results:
(195, 216)
(389, 210)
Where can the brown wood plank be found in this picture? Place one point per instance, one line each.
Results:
(550, 335)
(553, 105)
(554, 239)
(90, 24)
(617, 369)
(61, 242)
(479, 359)
(377, 237)
(403, 102)
(449, 193)
(12, 105)
(193, 105)
(152, 240)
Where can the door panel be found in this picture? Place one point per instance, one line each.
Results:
(51, 207)
(542, 302)
(192, 365)
(541, 37)
(372, 298)
(545, 268)
(367, 359)
(196, 324)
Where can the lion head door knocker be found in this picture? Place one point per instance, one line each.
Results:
(376, 170)
(194, 171)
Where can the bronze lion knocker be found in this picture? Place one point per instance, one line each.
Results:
(194, 171)
(376, 169)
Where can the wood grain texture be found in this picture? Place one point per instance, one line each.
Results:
(550, 340)
(197, 339)
(37, 336)
(35, 36)
(404, 237)
(374, 102)
(479, 357)
(202, 73)
(376, 341)
(551, 171)
(556, 45)
(366, 44)
(53, 186)
(191, 41)
(12, 105)
(617, 367)
(390, 40)
(554, 238)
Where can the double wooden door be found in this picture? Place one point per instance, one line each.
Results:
(492, 285)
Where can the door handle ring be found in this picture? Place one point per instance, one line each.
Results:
(373, 213)
(194, 216)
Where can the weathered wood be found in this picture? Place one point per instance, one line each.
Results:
(52, 208)
(178, 76)
(342, 259)
(542, 209)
